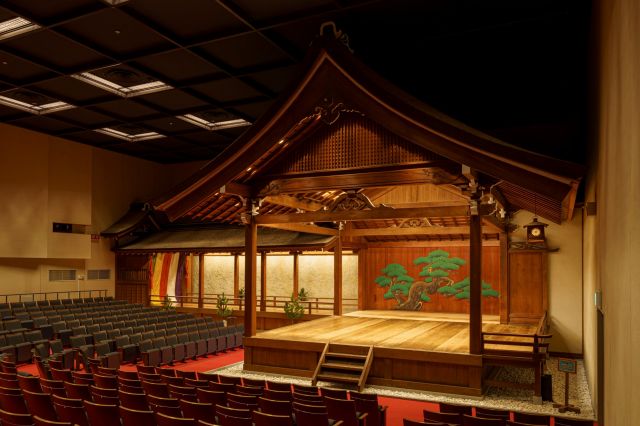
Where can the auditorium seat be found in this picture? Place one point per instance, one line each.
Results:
(101, 414)
(314, 418)
(368, 403)
(565, 421)
(492, 413)
(449, 418)
(133, 417)
(15, 419)
(198, 410)
(40, 404)
(271, 406)
(265, 419)
(211, 396)
(455, 408)
(481, 421)
(534, 419)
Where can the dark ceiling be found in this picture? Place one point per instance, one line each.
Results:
(514, 69)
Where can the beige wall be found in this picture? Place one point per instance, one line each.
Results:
(44, 179)
(565, 280)
(618, 197)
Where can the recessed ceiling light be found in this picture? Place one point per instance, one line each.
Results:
(124, 91)
(34, 108)
(214, 125)
(115, 2)
(16, 26)
(129, 137)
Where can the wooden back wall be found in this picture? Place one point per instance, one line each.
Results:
(373, 260)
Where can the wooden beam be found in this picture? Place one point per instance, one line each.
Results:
(263, 281)
(378, 213)
(422, 230)
(337, 277)
(433, 243)
(293, 202)
(235, 188)
(358, 180)
(475, 290)
(491, 222)
(374, 193)
(303, 227)
(447, 203)
(251, 249)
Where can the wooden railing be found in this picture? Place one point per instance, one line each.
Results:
(313, 305)
(71, 294)
(518, 349)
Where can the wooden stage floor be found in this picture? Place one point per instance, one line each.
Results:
(393, 329)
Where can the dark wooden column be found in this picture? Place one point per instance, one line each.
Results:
(200, 280)
(504, 278)
(337, 277)
(475, 266)
(236, 274)
(263, 281)
(250, 268)
(296, 273)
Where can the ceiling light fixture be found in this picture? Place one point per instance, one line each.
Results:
(130, 137)
(211, 125)
(114, 2)
(15, 26)
(125, 92)
(35, 109)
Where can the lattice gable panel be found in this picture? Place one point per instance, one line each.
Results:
(351, 142)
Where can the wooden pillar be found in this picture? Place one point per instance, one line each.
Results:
(263, 281)
(236, 274)
(475, 274)
(251, 250)
(200, 280)
(337, 276)
(296, 273)
(504, 278)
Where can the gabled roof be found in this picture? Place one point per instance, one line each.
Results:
(335, 80)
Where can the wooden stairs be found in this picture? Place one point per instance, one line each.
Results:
(344, 364)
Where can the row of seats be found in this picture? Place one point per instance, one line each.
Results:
(97, 321)
(463, 415)
(165, 396)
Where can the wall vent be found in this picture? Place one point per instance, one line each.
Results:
(62, 274)
(99, 274)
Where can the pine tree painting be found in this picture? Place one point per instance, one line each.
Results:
(436, 267)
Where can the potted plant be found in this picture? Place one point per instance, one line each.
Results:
(302, 295)
(167, 303)
(222, 308)
(293, 309)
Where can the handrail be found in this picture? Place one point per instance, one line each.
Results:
(542, 324)
(313, 304)
(323, 355)
(33, 297)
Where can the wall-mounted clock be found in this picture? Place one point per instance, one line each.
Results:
(535, 231)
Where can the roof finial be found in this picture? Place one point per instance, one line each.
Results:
(337, 34)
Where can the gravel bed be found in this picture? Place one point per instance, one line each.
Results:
(505, 398)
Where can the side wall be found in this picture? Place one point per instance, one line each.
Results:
(618, 197)
(44, 179)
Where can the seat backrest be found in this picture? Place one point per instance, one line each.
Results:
(271, 406)
(40, 404)
(101, 414)
(13, 418)
(167, 420)
(211, 396)
(492, 413)
(481, 421)
(132, 417)
(198, 410)
(564, 421)
(449, 418)
(311, 419)
(265, 419)
(29, 383)
(533, 419)
(155, 389)
(135, 401)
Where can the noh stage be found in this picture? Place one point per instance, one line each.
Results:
(415, 350)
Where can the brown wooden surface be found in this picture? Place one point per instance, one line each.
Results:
(375, 259)
(263, 281)
(475, 289)
(132, 278)
(251, 249)
(527, 297)
(200, 279)
(504, 278)
(386, 329)
(337, 277)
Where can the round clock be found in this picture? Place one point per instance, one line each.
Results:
(535, 232)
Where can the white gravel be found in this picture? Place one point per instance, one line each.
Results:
(504, 398)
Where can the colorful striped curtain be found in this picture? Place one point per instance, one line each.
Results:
(169, 274)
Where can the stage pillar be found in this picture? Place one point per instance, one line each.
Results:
(296, 273)
(263, 281)
(337, 276)
(200, 280)
(250, 268)
(236, 274)
(475, 274)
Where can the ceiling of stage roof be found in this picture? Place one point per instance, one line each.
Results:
(179, 81)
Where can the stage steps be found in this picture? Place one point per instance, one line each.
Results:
(349, 364)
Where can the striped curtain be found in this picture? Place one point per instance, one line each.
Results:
(169, 274)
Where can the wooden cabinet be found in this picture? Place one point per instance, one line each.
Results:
(528, 286)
